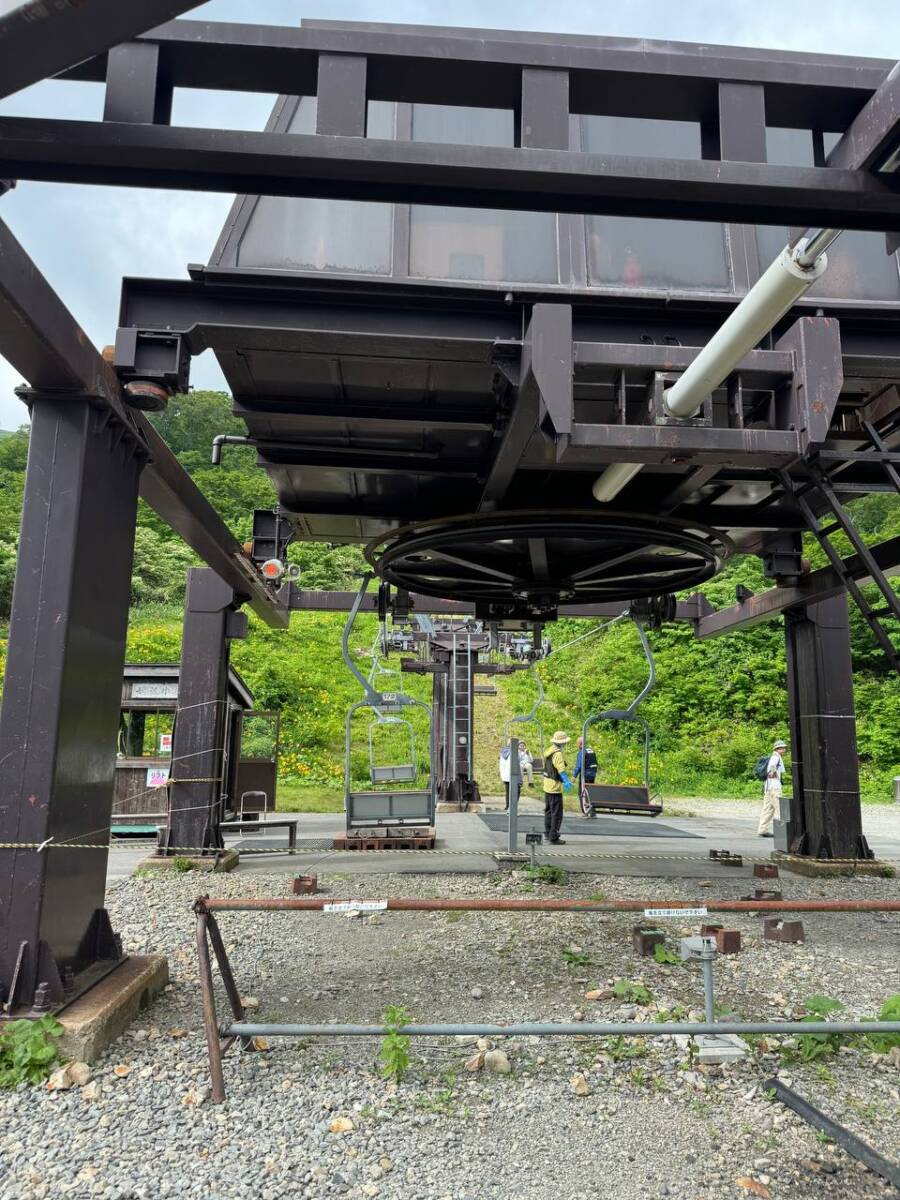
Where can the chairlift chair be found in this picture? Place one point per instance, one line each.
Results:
(405, 772)
(531, 718)
(388, 806)
(620, 797)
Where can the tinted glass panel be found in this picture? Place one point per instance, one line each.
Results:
(639, 252)
(322, 235)
(473, 243)
(857, 264)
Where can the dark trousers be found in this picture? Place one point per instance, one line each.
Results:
(506, 789)
(553, 815)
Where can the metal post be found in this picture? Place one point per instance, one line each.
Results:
(515, 780)
(709, 1007)
(62, 696)
(210, 1024)
(197, 784)
(826, 816)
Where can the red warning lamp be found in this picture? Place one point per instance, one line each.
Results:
(272, 569)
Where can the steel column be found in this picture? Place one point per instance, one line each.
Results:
(826, 817)
(198, 756)
(62, 697)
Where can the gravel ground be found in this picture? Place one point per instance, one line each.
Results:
(651, 1123)
(879, 820)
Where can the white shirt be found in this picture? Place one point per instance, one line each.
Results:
(525, 763)
(774, 772)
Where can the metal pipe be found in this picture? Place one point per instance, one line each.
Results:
(246, 1029)
(785, 281)
(227, 439)
(515, 780)
(616, 476)
(845, 1139)
(210, 1026)
(813, 245)
(709, 1005)
(402, 904)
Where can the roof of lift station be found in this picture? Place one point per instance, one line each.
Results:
(379, 389)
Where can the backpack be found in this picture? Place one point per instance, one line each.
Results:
(589, 765)
(761, 770)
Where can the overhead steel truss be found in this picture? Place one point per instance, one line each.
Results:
(38, 39)
(732, 93)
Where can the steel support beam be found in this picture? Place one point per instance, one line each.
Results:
(42, 340)
(61, 698)
(304, 600)
(39, 39)
(197, 784)
(825, 817)
(617, 76)
(818, 585)
(545, 389)
(519, 178)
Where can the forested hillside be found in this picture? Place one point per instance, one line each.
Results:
(716, 707)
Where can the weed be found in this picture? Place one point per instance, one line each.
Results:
(631, 993)
(442, 1102)
(453, 916)
(677, 1012)
(807, 1047)
(622, 1047)
(658, 1083)
(823, 1139)
(394, 1052)
(824, 1074)
(637, 1076)
(182, 865)
(883, 1043)
(867, 1109)
(28, 1050)
(598, 896)
(575, 958)
(547, 873)
(664, 955)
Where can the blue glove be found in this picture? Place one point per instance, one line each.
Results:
(567, 782)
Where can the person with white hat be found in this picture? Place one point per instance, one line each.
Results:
(556, 779)
(772, 789)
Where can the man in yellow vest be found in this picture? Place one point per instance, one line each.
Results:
(556, 779)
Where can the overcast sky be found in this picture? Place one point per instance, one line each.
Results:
(85, 239)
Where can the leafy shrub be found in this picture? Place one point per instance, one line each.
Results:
(28, 1050)
(394, 1052)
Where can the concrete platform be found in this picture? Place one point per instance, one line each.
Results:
(96, 1019)
(465, 844)
(226, 861)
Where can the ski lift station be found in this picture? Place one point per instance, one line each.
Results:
(550, 325)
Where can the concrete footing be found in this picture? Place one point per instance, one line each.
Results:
(226, 860)
(96, 1019)
(825, 867)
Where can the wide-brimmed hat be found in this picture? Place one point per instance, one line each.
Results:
(780, 745)
(560, 737)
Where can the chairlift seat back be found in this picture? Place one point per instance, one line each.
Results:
(389, 808)
(615, 797)
(402, 773)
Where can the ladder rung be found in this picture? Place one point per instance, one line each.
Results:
(884, 611)
(830, 529)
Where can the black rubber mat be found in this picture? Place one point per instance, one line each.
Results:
(604, 826)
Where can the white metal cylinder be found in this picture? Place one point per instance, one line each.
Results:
(608, 485)
(761, 309)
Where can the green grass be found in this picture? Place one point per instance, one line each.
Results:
(293, 796)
